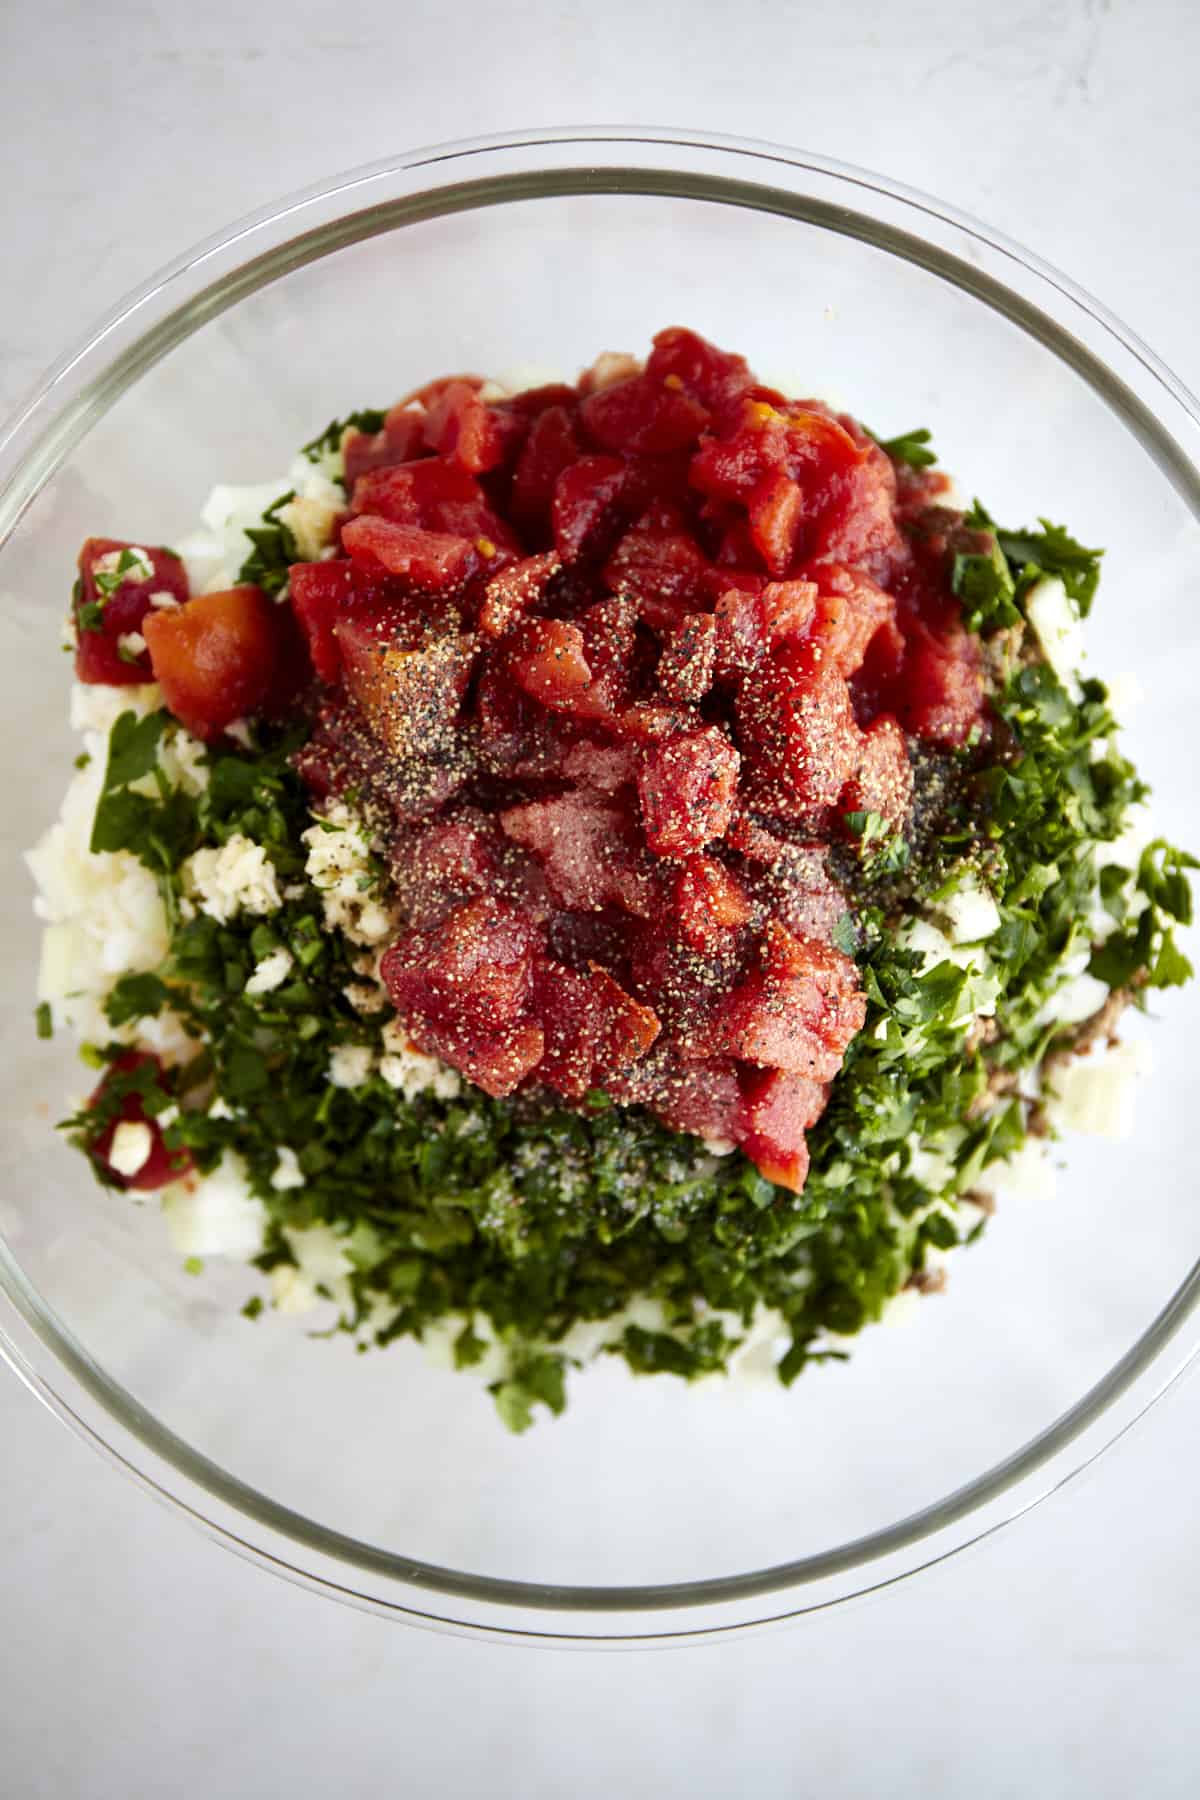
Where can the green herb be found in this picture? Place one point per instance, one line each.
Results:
(275, 550)
(535, 1380)
(911, 447)
(159, 828)
(329, 442)
(44, 1020)
(135, 997)
(107, 581)
(983, 582)
(1052, 551)
(883, 851)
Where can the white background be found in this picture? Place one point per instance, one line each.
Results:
(137, 1659)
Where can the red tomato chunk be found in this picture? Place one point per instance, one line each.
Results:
(222, 657)
(127, 1084)
(687, 785)
(607, 665)
(119, 584)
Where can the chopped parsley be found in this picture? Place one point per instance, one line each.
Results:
(983, 582)
(128, 564)
(275, 549)
(368, 420)
(882, 850)
(910, 447)
(1030, 555)
(326, 448)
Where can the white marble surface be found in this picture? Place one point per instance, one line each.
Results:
(136, 1658)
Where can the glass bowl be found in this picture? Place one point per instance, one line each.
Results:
(651, 1511)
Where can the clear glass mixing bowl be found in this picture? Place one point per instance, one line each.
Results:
(651, 1511)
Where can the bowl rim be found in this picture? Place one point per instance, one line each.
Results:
(59, 411)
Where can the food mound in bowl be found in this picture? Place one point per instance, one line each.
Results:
(604, 868)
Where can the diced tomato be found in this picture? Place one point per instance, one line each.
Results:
(429, 391)
(320, 594)
(592, 1027)
(517, 737)
(431, 559)
(549, 663)
(588, 851)
(344, 756)
(461, 425)
(324, 595)
(477, 964)
(112, 598)
(701, 1097)
(750, 838)
(443, 862)
(687, 785)
(648, 723)
(720, 578)
(786, 608)
(800, 737)
(463, 988)
(689, 658)
(776, 507)
(710, 902)
(416, 493)
(438, 495)
(531, 403)
(659, 563)
(883, 781)
(497, 1060)
(400, 439)
(686, 990)
(859, 524)
(603, 767)
(609, 634)
(645, 414)
(410, 696)
(796, 887)
(850, 610)
(513, 591)
(717, 378)
(575, 668)
(161, 1165)
(552, 446)
(802, 442)
(749, 624)
(586, 511)
(328, 762)
(218, 658)
(776, 1111)
(875, 684)
(798, 1010)
(736, 549)
(941, 695)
